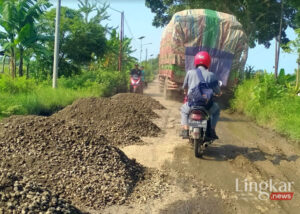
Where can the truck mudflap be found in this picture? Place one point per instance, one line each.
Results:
(173, 85)
(169, 84)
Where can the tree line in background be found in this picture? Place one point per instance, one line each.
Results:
(88, 56)
(27, 39)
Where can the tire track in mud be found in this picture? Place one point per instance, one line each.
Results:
(208, 185)
(272, 157)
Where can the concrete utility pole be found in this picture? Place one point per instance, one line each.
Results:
(56, 45)
(121, 41)
(278, 42)
(146, 54)
(146, 50)
(151, 61)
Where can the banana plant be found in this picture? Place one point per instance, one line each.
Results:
(18, 19)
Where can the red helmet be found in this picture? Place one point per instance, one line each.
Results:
(202, 58)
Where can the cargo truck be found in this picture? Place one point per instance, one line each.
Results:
(191, 31)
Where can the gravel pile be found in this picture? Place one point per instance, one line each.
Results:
(141, 103)
(123, 119)
(49, 164)
(19, 195)
(73, 161)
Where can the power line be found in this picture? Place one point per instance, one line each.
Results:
(114, 9)
(129, 29)
(103, 4)
(126, 22)
(127, 25)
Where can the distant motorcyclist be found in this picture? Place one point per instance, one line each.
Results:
(135, 71)
(136, 84)
(202, 62)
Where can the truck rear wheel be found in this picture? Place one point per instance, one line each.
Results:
(161, 84)
(166, 92)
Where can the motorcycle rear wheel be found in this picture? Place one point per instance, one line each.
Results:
(198, 148)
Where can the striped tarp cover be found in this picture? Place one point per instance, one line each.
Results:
(191, 31)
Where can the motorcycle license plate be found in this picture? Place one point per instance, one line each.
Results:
(198, 123)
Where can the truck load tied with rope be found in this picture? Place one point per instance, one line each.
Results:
(191, 31)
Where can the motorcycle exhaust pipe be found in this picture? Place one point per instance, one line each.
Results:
(205, 145)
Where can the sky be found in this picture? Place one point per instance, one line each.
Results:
(138, 22)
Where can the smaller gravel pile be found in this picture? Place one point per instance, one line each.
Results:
(141, 103)
(19, 195)
(122, 119)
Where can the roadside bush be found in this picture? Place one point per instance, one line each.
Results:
(113, 82)
(84, 80)
(269, 103)
(18, 85)
(21, 96)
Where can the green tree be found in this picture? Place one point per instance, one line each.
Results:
(151, 68)
(18, 19)
(86, 43)
(260, 19)
(80, 42)
(296, 18)
(86, 7)
(110, 59)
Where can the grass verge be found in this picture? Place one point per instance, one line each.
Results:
(23, 97)
(270, 104)
(42, 101)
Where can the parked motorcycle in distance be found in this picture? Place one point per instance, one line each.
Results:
(136, 84)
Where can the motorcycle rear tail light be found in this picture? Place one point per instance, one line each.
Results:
(197, 117)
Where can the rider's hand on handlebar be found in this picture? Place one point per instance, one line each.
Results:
(218, 95)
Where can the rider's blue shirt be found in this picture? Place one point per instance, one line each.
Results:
(191, 79)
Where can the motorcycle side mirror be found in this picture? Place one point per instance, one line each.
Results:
(220, 83)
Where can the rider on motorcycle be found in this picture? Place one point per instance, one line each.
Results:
(136, 85)
(136, 71)
(202, 62)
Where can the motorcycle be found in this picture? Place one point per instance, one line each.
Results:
(136, 84)
(199, 128)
